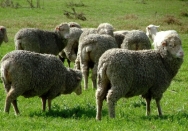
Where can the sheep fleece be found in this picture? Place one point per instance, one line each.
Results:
(32, 73)
(136, 72)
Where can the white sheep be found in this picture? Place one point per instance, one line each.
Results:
(156, 36)
(3, 35)
(32, 74)
(127, 73)
(41, 41)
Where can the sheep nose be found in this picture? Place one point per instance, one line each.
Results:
(181, 54)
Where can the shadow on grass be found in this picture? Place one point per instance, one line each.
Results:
(76, 113)
(177, 116)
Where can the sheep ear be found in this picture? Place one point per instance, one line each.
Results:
(57, 28)
(164, 43)
(157, 26)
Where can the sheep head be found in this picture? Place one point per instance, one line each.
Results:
(173, 45)
(4, 33)
(63, 30)
(151, 31)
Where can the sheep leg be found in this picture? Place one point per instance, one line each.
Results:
(159, 107)
(49, 104)
(100, 96)
(148, 101)
(68, 61)
(85, 72)
(43, 103)
(112, 98)
(14, 103)
(10, 98)
(94, 76)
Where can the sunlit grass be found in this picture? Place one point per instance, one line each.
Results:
(72, 112)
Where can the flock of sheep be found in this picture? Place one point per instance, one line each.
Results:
(123, 64)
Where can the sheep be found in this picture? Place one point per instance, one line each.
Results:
(74, 24)
(3, 35)
(41, 41)
(91, 48)
(156, 36)
(132, 40)
(103, 28)
(32, 74)
(92, 43)
(119, 76)
(151, 31)
(70, 51)
(72, 46)
(119, 36)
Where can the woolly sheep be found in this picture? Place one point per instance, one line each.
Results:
(3, 35)
(103, 28)
(32, 74)
(92, 43)
(151, 31)
(91, 48)
(40, 41)
(70, 51)
(74, 24)
(119, 36)
(119, 76)
(156, 36)
(72, 46)
(132, 40)
(136, 40)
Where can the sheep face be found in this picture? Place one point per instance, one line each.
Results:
(173, 45)
(63, 29)
(3, 33)
(151, 30)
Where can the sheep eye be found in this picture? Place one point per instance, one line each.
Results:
(171, 46)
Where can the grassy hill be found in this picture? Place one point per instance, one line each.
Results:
(71, 112)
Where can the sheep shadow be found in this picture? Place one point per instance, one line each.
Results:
(76, 113)
(178, 117)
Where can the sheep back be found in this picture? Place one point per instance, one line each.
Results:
(32, 74)
(136, 40)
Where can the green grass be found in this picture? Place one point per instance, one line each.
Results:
(71, 112)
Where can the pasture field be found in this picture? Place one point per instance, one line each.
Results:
(77, 113)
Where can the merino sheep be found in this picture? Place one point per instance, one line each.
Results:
(151, 31)
(3, 35)
(136, 40)
(156, 36)
(119, 76)
(119, 36)
(32, 74)
(72, 47)
(132, 40)
(91, 48)
(40, 41)
(70, 51)
(74, 24)
(103, 28)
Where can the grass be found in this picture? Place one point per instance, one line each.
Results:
(71, 112)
